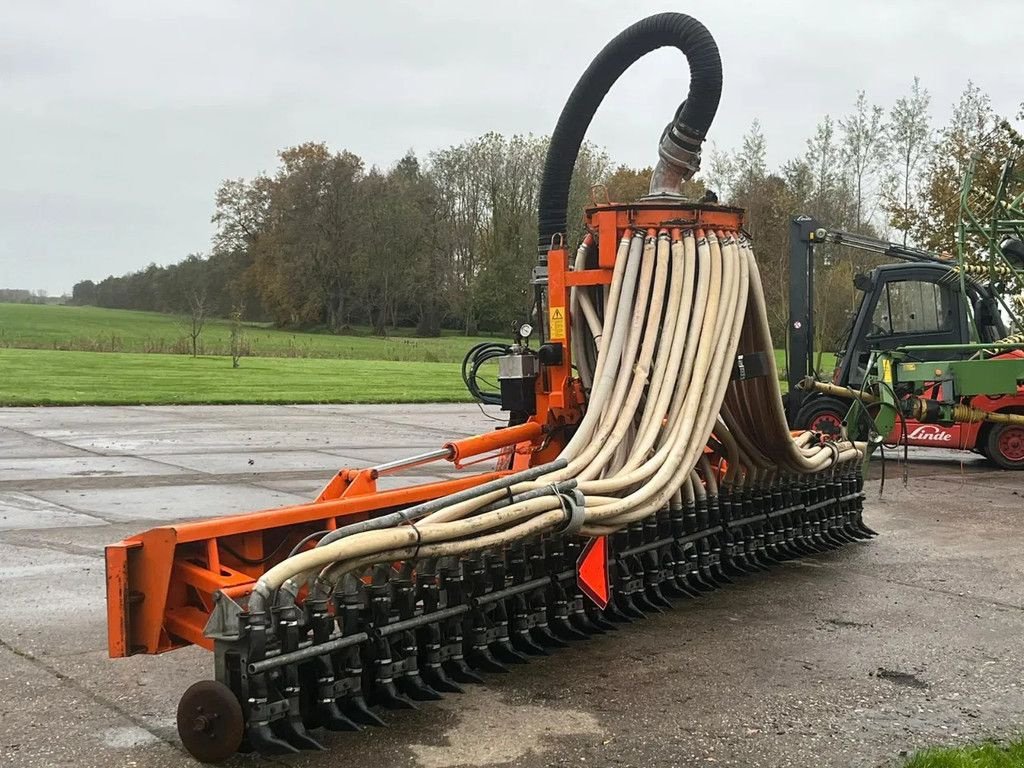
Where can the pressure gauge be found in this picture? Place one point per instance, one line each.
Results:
(525, 330)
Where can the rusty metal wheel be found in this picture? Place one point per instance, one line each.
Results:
(210, 721)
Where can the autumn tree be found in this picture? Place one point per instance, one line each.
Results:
(196, 317)
(626, 184)
(84, 293)
(423, 279)
(973, 131)
(828, 197)
(239, 346)
(718, 171)
(241, 209)
(910, 145)
(507, 243)
(863, 149)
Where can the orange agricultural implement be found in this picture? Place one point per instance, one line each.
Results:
(162, 585)
(646, 459)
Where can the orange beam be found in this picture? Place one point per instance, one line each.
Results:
(188, 624)
(555, 376)
(615, 219)
(589, 277)
(118, 605)
(208, 581)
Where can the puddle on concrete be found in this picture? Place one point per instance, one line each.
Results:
(491, 731)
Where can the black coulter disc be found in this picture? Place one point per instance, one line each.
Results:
(210, 721)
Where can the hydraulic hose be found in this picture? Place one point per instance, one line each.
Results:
(681, 140)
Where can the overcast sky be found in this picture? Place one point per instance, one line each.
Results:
(120, 118)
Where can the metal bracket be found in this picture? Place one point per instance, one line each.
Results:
(223, 621)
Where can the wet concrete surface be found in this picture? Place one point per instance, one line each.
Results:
(846, 659)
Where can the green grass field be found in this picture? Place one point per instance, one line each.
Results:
(93, 329)
(47, 377)
(56, 355)
(977, 756)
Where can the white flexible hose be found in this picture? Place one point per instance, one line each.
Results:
(676, 314)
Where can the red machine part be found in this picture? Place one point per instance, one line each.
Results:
(1001, 443)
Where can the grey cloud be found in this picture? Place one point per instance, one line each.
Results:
(119, 119)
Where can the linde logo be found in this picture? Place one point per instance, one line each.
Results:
(930, 433)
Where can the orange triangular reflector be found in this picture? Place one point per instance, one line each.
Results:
(592, 571)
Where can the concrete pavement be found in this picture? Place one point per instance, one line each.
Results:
(843, 660)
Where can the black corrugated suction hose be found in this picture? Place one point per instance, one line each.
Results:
(688, 128)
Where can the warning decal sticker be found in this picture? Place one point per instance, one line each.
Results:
(557, 317)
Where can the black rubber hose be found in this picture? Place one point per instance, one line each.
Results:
(688, 128)
(476, 357)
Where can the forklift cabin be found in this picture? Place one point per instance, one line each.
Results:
(916, 302)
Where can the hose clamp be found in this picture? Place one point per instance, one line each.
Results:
(574, 506)
(680, 151)
(835, 452)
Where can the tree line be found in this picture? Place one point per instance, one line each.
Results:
(23, 296)
(449, 240)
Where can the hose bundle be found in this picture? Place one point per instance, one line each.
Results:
(655, 352)
(680, 308)
(477, 357)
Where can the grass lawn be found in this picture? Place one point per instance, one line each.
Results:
(57, 355)
(93, 329)
(978, 756)
(48, 377)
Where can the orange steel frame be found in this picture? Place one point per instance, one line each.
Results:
(162, 584)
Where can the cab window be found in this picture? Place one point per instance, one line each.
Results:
(913, 307)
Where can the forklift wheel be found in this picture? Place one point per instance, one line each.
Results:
(824, 415)
(1004, 446)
